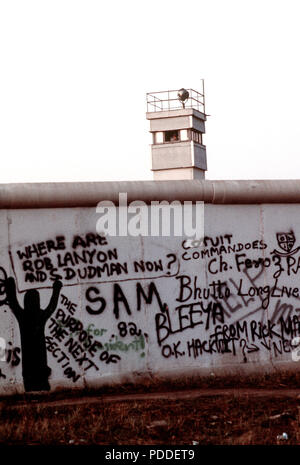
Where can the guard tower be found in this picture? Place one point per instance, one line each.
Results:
(177, 123)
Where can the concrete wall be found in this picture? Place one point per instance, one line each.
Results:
(179, 173)
(135, 306)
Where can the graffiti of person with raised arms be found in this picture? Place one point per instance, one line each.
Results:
(32, 321)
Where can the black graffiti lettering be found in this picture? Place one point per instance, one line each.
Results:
(63, 357)
(13, 357)
(191, 314)
(194, 348)
(188, 316)
(82, 359)
(254, 333)
(242, 329)
(28, 266)
(92, 349)
(222, 340)
(147, 266)
(277, 262)
(262, 331)
(286, 345)
(50, 344)
(133, 330)
(128, 328)
(238, 262)
(38, 264)
(119, 297)
(56, 330)
(76, 328)
(219, 240)
(38, 276)
(215, 312)
(289, 326)
(42, 248)
(266, 345)
(176, 351)
(93, 299)
(69, 273)
(71, 306)
(74, 347)
(282, 346)
(109, 358)
(152, 291)
(216, 266)
(291, 261)
(246, 302)
(219, 246)
(216, 270)
(89, 239)
(259, 291)
(55, 351)
(90, 365)
(78, 353)
(185, 291)
(71, 374)
(122, 327)
(251, 263)
(86, 257)
(217, 290)
(167, 350)
(73, 324)
(162, 325)
(185, 256)
(271, 332)
(54, 275)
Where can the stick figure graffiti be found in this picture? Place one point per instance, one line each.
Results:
(32, 321)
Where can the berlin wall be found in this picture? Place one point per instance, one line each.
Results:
(82, 309)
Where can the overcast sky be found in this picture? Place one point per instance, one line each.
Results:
(75, 73)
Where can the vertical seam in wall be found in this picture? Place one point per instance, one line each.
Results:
(262, 236)
(79, 296)
(12, 318)
(213, 193)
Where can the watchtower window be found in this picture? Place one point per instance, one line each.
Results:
(184, 134)
(171, 136)
(158, 137)
(178, 135)
(197, 136)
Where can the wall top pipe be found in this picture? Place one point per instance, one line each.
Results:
(88, 194)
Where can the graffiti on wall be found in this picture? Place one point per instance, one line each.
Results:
(32, 320)
(97, 306)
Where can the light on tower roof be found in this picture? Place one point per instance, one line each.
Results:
(183, 95)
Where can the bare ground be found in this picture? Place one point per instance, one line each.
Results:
(208, 416)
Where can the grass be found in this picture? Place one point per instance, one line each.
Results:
(211, 420)
(215, 420)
